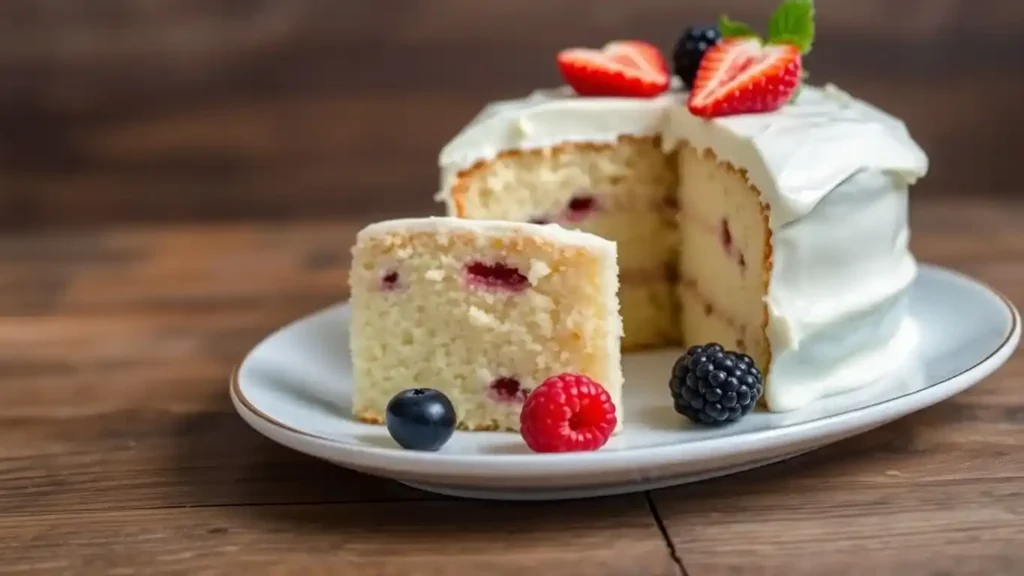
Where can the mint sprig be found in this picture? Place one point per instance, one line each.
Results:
(791, 23)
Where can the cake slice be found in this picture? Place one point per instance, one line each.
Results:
(483, 311)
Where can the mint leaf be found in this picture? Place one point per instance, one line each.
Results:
(732, 29)
(793, 23)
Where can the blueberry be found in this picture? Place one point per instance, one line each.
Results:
(420, 419)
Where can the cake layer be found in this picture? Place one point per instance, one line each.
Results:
(646, 240)
(702, 322)
(649, 312)
(482, 311)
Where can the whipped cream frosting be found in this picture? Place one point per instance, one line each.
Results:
(835, 173)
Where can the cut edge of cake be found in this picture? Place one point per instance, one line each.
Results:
(738, 341)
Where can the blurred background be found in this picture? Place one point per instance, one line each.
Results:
(146, 111)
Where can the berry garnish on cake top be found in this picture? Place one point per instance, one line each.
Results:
(420, 419)
(625, 68)
(714, 386)
(744, 74)
(567, 413)
(690, 49)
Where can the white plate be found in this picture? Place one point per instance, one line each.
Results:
(295, 388)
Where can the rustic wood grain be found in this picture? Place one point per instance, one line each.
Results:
(610, 537)
(120, 452)
(912, 529)
(118, 111)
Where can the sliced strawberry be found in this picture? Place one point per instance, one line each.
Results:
(742, 76)
(639, 54)
(628, 68)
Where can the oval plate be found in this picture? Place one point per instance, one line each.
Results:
(295, 388)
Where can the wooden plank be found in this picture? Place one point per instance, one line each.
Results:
(115, 351)
(876, 530)
(170, 268)
(143, 457)
(613, 537)
(777, 527)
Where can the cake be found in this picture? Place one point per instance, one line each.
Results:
(482, 311)
(749, 209)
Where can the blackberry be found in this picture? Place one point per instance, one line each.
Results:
(714, 386)
(690, 49)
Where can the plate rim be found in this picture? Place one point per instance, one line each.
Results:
(530, 463)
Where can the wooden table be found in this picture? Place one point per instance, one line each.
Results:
(120, 452)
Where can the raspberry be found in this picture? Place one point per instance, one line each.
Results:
(567, 413)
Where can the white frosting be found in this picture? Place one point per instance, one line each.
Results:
(834, 172)
(491, 228)
(837, 294)
(799, 154)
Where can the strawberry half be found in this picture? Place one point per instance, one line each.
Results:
(627, 68)
(743, 76)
